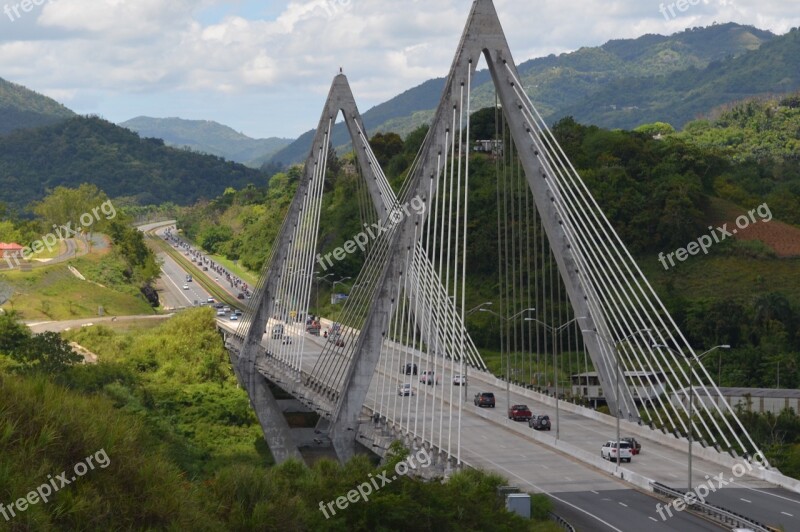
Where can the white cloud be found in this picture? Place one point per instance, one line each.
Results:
(114, 56)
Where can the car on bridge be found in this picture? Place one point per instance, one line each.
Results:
(459, 380)
(609, 451)
(277, 332)
(409, 369)
(186, 287)
(221, 312)
(520, 413)
(427, 377)
(484, 399)
(234, 317)
(336, 339)
(540, 422)
(405, 390)
(286, 339)
(636, 447)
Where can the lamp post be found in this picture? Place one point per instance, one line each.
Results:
(691, 396)
(508, 357)
(323, 278)
(464, 380)
(340, 281)
(554, 331)
(616, 345)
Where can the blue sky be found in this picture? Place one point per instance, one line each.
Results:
(264, 68)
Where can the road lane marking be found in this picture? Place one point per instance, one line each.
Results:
(623, 504)
(790, 515)
(652, 519)
(745, 500)
(595, 492)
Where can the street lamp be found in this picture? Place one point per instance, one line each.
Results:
(691, 395)
(340, 281)
(553, 334)
(508, 357)
(616, 345)
(323, 278)
(464, 379)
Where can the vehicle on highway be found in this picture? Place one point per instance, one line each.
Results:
(186, 287)
(636, 447)
(484, 399)
(459, 380)
(539, 422)
(188, 278)
(519, 413)
(211, 300)
(609, 451)
(427, 377)
(240, 296)
(278, 331)
(336, 339)
(234, 317)
(409, 369)
(226, 308)
(220, 312)
(286, 339)
(238, 312)
(405, 389)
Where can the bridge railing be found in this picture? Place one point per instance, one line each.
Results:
(716, 513)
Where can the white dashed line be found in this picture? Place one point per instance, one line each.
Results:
(652, 519)
(595, 492)
(623, 504)
(745, 500)
(790, 515)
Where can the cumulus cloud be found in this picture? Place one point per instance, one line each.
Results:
(221, 59)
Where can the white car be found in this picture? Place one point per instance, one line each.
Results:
(220, 312)
(459, 380)
(405, 389)
(186, 287)
(234, 317)
(609, 451)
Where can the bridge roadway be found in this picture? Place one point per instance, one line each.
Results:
(493, 442)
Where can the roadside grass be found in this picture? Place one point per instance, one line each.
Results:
(721, 276)
(237, 270)
(54, 293)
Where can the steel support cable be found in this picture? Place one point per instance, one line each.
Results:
(659, 397)
(464, 261)
(704, 370)
(722, 433)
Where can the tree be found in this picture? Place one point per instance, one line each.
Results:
(46, 353)
(13, 333)
(67, 205)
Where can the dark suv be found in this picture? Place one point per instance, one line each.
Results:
(484, 399)
(540, 422)
(409, 369)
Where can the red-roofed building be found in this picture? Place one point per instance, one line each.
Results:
(10, 250)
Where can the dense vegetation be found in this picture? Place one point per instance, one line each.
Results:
(89, 149)
(184, 449)
(22, 108)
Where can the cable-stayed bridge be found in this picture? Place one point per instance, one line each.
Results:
(563, 273)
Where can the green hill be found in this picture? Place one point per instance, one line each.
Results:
(205, 136)
(22, 108)
(92, 150)
(623, 83)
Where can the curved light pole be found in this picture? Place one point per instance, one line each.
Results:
(465, 381)
(340, 281)
(691, 394)
(508, 357)
(323, 278)
(554, 331)
(616, 345)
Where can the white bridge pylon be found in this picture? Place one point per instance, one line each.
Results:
(407, 306)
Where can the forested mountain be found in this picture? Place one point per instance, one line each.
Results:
(92, 150)
(205, 136)
(728, 62)
(22, 108)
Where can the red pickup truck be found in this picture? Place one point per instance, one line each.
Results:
(519, 413)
